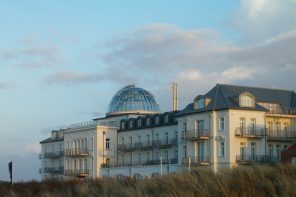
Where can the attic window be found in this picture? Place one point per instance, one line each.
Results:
(246, 100)
(199, 104)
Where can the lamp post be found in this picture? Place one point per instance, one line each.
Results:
(104, 147)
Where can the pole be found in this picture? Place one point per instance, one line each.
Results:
(10, 172)
(160, 166)
(189, 163)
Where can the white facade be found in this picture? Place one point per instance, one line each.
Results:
(202, 136)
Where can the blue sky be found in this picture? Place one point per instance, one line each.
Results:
(61, 62)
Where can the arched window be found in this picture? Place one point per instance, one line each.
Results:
(246, 100)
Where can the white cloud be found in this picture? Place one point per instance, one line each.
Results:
(71, 78)
(237, 73)
(33, 148)
(261, 19)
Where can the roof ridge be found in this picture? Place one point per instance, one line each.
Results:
(241, 86)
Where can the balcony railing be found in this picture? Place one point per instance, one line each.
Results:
(281, 134)
(52, 155)
(257, 158)
(166, 143)
(127, 147)
(144, 145)
(253, 132)
(282, 111)
(78, 173)
(82, 125)
(52, 170)
(76, 152)
(196, 134)
(141, 163)
(196, 160)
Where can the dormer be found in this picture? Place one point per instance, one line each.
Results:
(201, 102)
(246, 99)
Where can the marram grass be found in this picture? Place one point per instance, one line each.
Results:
(252, 180)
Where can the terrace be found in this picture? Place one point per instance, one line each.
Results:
(196, 134)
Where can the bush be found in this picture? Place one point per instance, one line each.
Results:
(242, 181)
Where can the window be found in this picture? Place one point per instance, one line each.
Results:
(246, 100)
(185, 150)
(270, 150)
(166, 118)
(166, 137)
(242, 123)
(221, 124)
(166, 156)
(222, 149)
(139, 158)
(139, 123)
(278, 151)
(148, 139)
(176, 154)
(148, 156)
(157, 136)
(156, 155)
(157, 120)
(176, 135)
(199, 104)
(184, 126)
(92, 143)
(85, 164)
(108, 143)
(243, 150)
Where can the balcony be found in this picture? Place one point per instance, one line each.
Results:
(76, 152)
(166, 143)
(250, 132)
(77, 173)
(127, 147)
(281, 135)
(141, 163)
(248, 159)
(281, 111)
(196, 160)
(52, 170)
(196, 134)
(52, 155)
(144, 145)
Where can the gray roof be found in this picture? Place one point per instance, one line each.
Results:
(226, 97)
(48, 140)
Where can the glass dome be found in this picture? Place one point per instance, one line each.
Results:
(132, 99)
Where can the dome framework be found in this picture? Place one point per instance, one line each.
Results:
(132, 99)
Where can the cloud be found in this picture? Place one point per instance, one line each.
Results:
(260, 19)
(33, 148)
(6, 86)
(31, 53)
(71, 78)
(197, 59)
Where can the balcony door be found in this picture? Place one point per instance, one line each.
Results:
(199, 127)
(242, 124)
(201, 150)
(243, 150)
(253, 151)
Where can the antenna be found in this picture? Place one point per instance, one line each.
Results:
(175, 96)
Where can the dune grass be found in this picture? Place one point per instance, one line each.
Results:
(277, 180)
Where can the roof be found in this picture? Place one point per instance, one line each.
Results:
(226, 97)
(48, 140)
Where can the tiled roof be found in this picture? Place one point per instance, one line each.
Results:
(226, 97)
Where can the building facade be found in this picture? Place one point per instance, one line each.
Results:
(226, 127)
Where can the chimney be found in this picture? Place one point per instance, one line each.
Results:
(175, 96)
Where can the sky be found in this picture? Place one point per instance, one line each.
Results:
(62, 61)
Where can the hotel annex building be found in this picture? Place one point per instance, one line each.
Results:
(226, 127)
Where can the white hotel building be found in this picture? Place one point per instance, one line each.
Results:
(226, 127)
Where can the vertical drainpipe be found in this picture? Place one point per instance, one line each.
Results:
(152, 139)
(117, 148)
(103, 147)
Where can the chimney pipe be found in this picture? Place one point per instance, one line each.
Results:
(175, 96)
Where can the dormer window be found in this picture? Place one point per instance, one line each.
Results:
(131, 124)
(148, 121)
(166, 118)
(246, 100)
(139, 123)
(199, 104)
(122, 125)
(157, 120)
